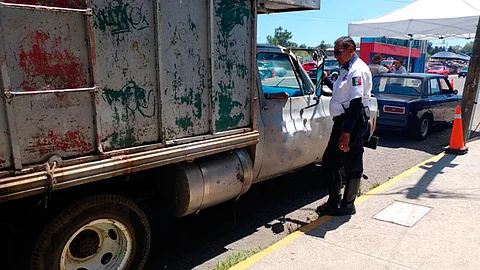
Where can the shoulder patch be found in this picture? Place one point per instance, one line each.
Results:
(356, 81)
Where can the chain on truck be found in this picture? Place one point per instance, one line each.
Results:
(109, 104)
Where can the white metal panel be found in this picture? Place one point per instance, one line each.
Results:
(126, 72)
(185, 68)
(54, 124)
(232, 56)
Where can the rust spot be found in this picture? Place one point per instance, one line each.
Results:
(2, 161)
(72, 141)
(46, 66)
(50, 3)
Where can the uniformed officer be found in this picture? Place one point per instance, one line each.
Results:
(349, 108)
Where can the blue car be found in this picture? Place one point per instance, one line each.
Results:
(414, 102)
(463, 72)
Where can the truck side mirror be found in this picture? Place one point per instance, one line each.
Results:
(320, 68)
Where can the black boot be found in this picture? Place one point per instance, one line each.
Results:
(347, 206)
(334, 181)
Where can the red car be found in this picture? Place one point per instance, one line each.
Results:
(442, 70)
(309, 65)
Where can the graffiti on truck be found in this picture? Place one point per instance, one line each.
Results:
(133, 99)
(70, 141)
(47, 66)
(120, 18)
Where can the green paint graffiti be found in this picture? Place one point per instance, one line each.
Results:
(198, 105)
(120, 18)
(122, 139)
(231, 13)
(133, 99)
(192, 25)
(226, 105)
(184, 122)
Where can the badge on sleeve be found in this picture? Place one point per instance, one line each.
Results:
(356, 81)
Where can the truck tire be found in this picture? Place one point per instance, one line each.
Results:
(98, 232)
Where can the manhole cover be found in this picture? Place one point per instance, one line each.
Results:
(405, 214)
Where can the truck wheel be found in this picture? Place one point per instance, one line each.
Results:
(98, 232)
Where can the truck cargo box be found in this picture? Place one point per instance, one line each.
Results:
(80, 80)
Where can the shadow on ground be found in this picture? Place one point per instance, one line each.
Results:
(195, 239)
(437, 139)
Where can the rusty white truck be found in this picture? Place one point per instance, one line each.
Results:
(107, 104)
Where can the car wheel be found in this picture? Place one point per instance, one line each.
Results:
(268, 74)
(423, 127)
(334, 77)
(98, 232)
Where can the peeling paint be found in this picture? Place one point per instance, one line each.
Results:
(133, 99)
(198, 105)
(71, 141)
(45, 66)
(232, 13)
(122, 139)
(120, 18)
(226, 105)
(184, 122)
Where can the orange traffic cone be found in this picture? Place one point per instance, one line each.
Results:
(452, 84)
(457, 145)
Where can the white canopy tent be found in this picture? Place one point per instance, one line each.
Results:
(423, 20)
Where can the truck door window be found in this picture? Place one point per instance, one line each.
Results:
(278, 75)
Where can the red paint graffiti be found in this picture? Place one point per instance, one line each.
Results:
(72, 141)
(50, 3)
(46, 67)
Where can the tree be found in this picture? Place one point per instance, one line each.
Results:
(467, 48)
(281, 37)
(324, 46)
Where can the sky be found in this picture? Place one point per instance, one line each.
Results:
(331, 21)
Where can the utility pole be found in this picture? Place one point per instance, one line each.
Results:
(470, 89)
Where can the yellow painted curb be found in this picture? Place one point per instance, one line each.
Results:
(314, 224)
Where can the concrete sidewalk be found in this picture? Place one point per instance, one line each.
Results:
(446, 189)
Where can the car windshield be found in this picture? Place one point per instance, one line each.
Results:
(397, 86)
(437, 68)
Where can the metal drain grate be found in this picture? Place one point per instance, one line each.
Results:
(401, 213)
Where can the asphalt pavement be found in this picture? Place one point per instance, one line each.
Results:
(425, 218)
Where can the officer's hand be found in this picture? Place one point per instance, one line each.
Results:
(343, 142)
(324, 75)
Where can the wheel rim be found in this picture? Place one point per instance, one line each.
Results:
(424, 127)
(101, 244)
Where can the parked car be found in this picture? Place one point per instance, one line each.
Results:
(268, 70)
(443, 70)
(309, 65)
(414, 102)
(463, 72)
(331, 68)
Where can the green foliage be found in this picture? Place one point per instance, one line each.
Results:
(467, 48)
(235, 258)
(281, 37)
(324, 46)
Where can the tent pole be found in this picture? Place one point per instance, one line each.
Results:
(409, 53)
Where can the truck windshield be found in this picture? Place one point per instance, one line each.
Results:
(277, 74)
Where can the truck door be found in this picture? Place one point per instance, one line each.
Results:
(294, 135)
